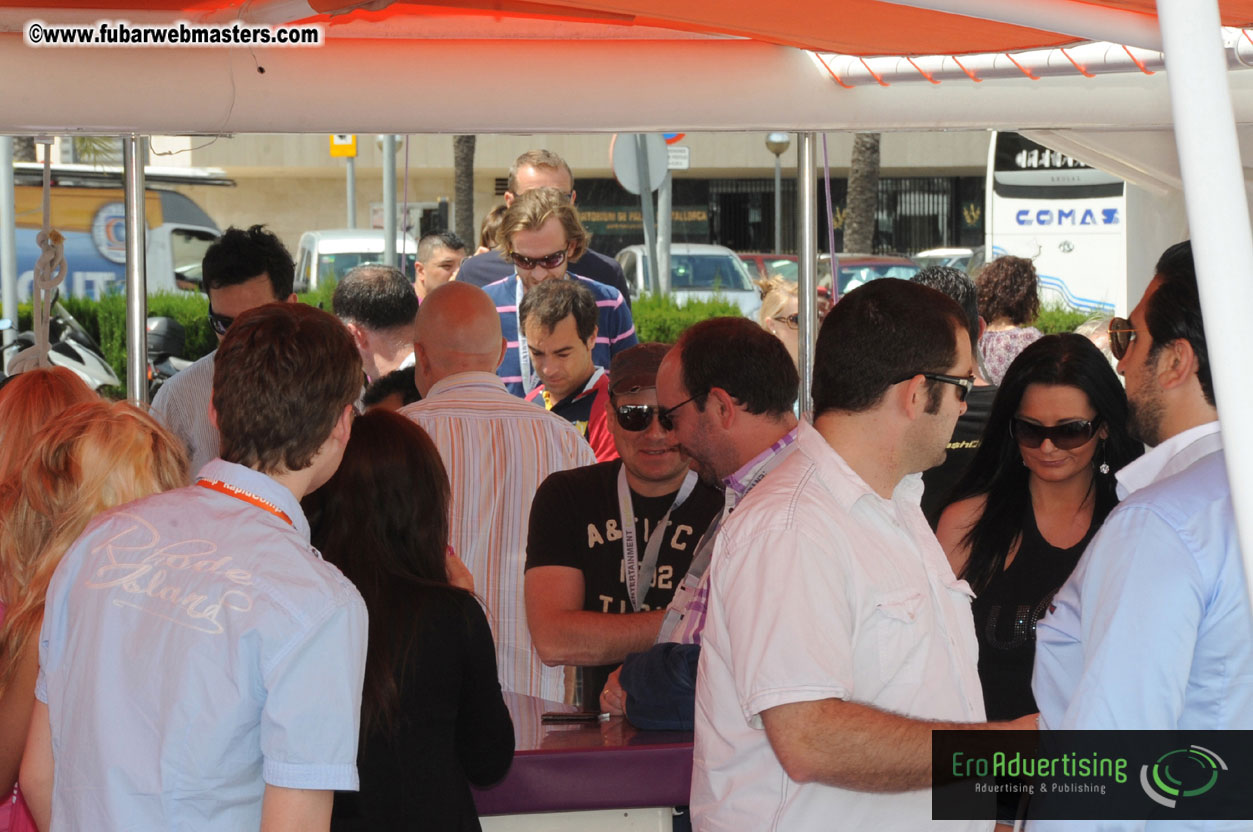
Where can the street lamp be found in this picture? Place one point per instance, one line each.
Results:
(778, 143)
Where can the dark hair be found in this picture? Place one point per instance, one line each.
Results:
(997, 470)
(383, 520)
(552, 301)
(880, 334)
(957, 285)
(491, 224)
(438, 239)
(400, 381)
(281, 379)
(376, 297)
(740, 357)
(1009, 288)
(1174, 311)
(238, 256)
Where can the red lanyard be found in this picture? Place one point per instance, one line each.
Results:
(239, 494)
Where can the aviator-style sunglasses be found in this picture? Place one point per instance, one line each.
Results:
(1066, 436)
(548, 261)
(1121, 334)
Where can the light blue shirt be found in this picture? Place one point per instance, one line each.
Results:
(1152, 630)
(195, 648)
(182, 405)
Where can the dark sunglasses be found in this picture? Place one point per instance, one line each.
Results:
(548, 261)
(792, 321)
(637, 417)
(1066, 436)
(220, 323)
(964, 384)
(664, 416)
(1121, 334)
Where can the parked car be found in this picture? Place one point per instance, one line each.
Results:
(763, 266)
(855, 269)
(966, 259)
(696, 272)
(329, 254)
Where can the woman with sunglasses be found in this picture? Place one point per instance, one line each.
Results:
(1038, 487)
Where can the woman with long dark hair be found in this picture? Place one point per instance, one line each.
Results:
(1036, 491)
(433, 719)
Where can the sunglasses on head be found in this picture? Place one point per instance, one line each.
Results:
(548, 261)
(220, 323)
(637, 417)
(1121, 334)
(1066, 436)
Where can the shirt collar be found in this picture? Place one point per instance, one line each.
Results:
(409, 361)
(259, 485)
(463, 380)
(589, 387)
(846, 484)
(751, 472)
(1170, 457)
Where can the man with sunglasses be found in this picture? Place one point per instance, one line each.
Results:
(242, 270)
(541, 169)
(609, 543)
(558, 318)
(1151, 631)
(729, 386)
(836, 637)
(541, 234)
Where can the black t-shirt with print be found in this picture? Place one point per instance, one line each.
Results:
(575, 522)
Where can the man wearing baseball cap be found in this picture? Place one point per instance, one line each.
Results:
(609, 543)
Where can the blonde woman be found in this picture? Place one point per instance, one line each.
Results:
(27, 401)
(780, 312)
(90, 457)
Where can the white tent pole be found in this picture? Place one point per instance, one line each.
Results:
(1068, 17)
(807, 255)
(8, 239)
(1218, 215)
(134, 156)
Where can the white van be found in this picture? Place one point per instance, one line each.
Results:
(327, 255)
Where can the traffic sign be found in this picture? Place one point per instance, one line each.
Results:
(343, 145)
(680, 157)
(626, 161)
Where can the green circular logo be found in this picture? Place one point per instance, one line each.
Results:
(1184, 772)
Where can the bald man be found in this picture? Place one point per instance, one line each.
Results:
(497, 449)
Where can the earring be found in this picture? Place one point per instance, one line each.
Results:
(1104, 466)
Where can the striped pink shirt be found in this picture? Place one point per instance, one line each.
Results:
(498, 448)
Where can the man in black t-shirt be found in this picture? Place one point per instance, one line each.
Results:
(598, 579)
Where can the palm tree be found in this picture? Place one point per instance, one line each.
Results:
(863, 191)
(463, 188)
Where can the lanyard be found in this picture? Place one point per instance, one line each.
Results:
(640, 575)
(240, 494)
(524, 355)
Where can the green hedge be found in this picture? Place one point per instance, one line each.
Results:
(1058, 318)
(659, 318)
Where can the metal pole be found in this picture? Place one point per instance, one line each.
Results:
(134, 154)
(778, 203)
(1218, 215)
(389, 199)
(352, 192)
(650, 224)
(8, 238)
(807, 250)
(665, 200)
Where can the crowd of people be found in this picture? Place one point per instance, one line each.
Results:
(297, 594)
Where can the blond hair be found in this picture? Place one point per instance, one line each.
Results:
(537, 159)
(29, 400)
(91, 457)
(776, 291)
(532, 209)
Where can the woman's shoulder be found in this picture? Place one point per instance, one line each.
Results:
(955, 524)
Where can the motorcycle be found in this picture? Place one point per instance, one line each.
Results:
(71, 346)
(166, 339)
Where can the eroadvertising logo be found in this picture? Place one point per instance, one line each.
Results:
(1184, 772)
(1091, 775)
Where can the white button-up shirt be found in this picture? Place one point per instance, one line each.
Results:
(822, 589)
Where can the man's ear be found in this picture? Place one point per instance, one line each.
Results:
(1176, 364)
(591, 342)
(573, 195)
(343, 427)
(724, 407)
(359, 336)
(292, 298)
(913, 396)
(510, 196)
(504, 348)
(213, 415)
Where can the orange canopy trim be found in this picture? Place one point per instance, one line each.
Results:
(855, 27)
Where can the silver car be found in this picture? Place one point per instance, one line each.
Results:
(697, 272)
